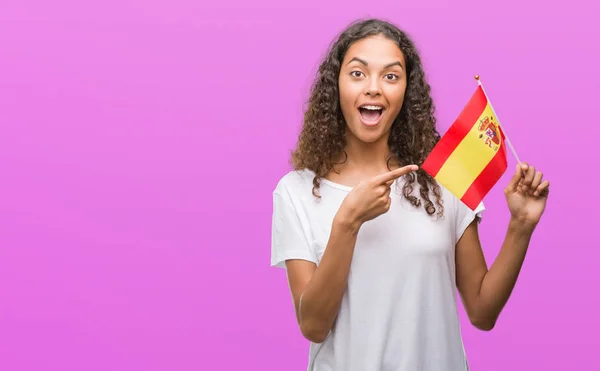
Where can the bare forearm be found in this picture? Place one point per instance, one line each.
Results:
(320, 301)
(499, 282)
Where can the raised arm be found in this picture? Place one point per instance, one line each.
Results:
(485, 292)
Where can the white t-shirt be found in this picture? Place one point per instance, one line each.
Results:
(399, 311)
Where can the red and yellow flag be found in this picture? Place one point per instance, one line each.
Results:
(471, 156)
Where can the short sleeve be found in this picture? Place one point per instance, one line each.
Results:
(465, 216)
(288, 240)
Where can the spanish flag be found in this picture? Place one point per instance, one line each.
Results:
(471, 156)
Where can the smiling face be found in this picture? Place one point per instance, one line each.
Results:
(372, 84)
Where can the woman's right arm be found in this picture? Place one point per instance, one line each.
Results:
(318, 292)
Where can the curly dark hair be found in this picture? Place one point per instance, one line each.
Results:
(413, 133)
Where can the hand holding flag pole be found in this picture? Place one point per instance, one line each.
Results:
(470, 158)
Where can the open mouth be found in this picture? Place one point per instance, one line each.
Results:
(370, 114)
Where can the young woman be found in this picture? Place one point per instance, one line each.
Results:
(374, 249)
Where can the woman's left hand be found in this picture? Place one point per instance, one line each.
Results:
(526, 194)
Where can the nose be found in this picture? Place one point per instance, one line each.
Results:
(373, 89)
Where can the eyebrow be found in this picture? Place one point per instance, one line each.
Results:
(356, 59)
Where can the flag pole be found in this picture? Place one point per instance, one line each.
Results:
(498, 120)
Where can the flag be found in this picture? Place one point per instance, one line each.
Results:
(470, 157)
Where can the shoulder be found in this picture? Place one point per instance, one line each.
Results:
(457, 216)
(454, 208)
(295, 182)
(457, 206)
(458, 213)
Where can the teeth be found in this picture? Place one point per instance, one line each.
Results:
(373, 108)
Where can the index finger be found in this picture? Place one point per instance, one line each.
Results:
(394, 174)
(517, 177)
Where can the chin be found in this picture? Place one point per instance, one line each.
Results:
(369, 134)
(370, 137)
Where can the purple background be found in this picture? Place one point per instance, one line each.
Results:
(140, 142)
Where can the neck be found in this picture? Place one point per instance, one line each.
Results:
(367, 155)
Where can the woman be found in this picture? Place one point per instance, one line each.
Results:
(374, 249)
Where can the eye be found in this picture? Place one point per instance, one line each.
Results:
(356, 74)
(391, 76)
